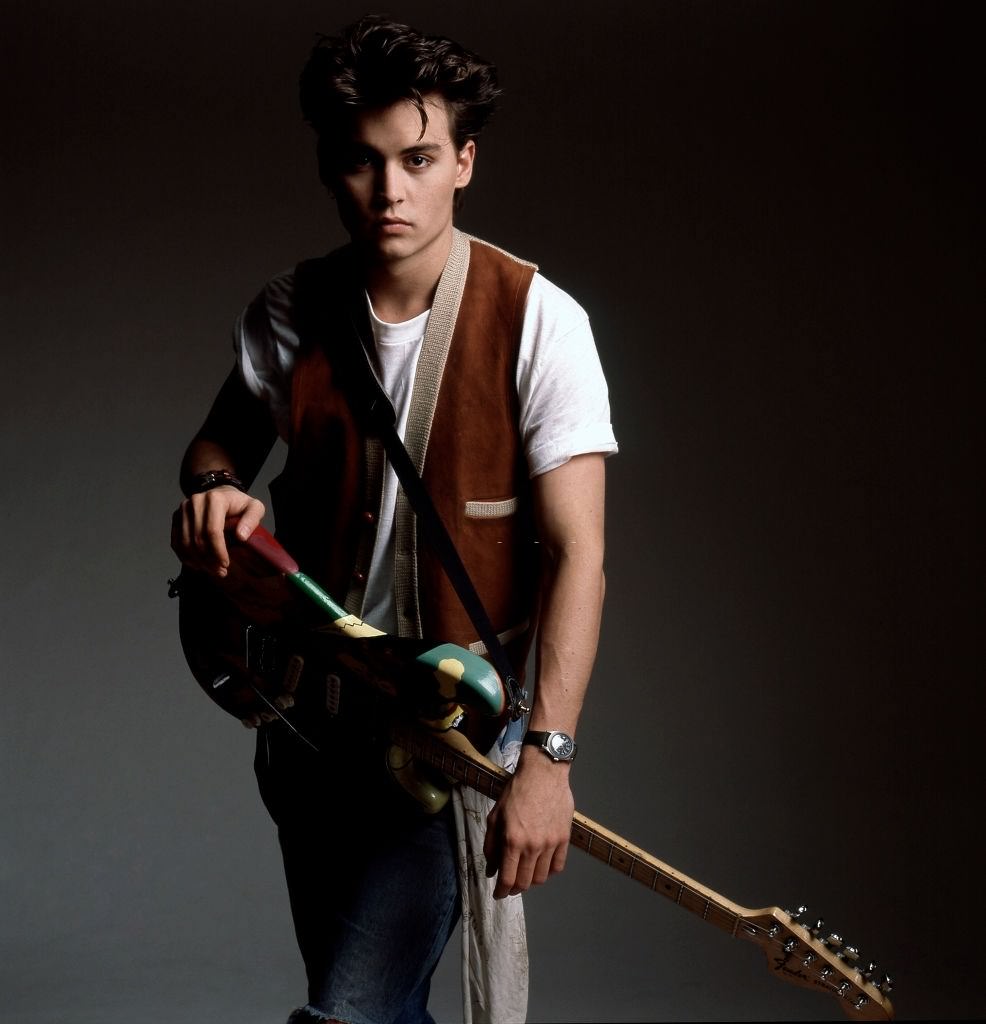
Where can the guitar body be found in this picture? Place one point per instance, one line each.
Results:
(260, 648)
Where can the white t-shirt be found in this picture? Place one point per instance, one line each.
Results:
(564, 402)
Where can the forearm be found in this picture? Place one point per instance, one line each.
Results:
(564, 655)
(569, 501)
(572, 600)
(237, 435)
(203, 455)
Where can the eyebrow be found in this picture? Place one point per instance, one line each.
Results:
(423, 147)
(427, 147)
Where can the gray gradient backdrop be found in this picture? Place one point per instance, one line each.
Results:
(772, 211)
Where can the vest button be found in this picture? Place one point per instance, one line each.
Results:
(359, 576)
(369, 517)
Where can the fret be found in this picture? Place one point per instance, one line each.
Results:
(643, 873)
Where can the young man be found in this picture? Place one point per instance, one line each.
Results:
(502, 405)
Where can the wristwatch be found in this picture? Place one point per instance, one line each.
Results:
(559, 746)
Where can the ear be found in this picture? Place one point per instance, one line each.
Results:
(464, 160)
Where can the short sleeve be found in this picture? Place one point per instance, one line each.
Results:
(265, 344)
(564, 400)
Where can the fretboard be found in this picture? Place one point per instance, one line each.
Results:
(657, 876)
(452, 755)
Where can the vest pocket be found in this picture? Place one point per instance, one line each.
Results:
(491, 509)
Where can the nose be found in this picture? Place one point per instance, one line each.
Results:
(390, 184)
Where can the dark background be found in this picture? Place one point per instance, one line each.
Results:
(772, 211)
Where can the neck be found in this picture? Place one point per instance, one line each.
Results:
(402, 288)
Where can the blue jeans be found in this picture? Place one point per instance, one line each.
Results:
(372, 879)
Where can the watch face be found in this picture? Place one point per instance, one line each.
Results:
(561, 745)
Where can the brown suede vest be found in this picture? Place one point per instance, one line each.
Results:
(462, 434)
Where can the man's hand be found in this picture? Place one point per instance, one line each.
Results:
(199, 523)
(528, 830)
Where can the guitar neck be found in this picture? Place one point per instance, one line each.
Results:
(453, 755)
(794, 952)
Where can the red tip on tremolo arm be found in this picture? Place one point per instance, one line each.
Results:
(271, 551)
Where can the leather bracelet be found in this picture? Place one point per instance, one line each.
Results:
(215, 478)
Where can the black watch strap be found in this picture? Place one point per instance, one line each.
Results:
(559, 746)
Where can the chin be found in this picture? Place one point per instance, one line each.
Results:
(389, 249)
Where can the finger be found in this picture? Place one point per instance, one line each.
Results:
(250, 519)
(559, 858)
(507, 883)
(542, 868)
(491, 844)
(176, 520)
(215, 537)
(184, 544)
(532, 871)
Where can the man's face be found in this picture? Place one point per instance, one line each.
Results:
(394, 185)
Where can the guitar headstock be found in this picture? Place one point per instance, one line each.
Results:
(806, 953)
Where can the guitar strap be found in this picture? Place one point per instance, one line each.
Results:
(320, 284)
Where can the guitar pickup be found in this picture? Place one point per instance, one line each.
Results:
(260, 651)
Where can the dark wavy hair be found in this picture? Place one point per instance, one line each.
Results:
(376, 62)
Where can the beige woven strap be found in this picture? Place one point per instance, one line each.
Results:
(491, 509)
(478, 647)
(424, 399)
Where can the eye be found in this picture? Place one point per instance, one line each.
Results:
(418, 161)
(356, 160)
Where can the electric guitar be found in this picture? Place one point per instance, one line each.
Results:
(247, 661)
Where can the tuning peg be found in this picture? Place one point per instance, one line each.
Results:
(798, 916)
(868, 971)
(834, 942)
(790, 945)
(886, 984)
(860, 1001)
(849, 953)
(816, 928)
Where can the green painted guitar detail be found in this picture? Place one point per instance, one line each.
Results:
(459, 670)
(313, 591)
(225, 624)
(461, 675)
